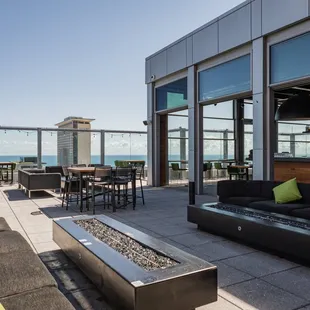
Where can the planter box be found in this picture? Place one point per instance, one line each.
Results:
(284, 234)
(155, 276)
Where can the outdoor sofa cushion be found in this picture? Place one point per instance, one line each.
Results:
(287, 192)
(271, 206)
(302, 213)
(21, 272)
(12, 241)
(4, 225)
(48, 298)
(240, 201)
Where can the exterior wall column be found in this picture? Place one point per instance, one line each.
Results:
(263, 115)
(195, 134)
(150, 134)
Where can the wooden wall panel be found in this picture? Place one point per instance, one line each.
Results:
(284, 171)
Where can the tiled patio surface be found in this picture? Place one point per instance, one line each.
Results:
(248, 278)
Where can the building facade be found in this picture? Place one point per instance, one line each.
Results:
(231, 75)
(74, 147)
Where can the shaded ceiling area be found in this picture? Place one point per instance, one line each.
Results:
(282, 95)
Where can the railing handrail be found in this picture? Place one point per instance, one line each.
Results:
(70, 129)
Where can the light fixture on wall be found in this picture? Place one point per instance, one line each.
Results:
(295, 108)
(146, 123)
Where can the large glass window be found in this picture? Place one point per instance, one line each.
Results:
(290, 59)
(218, 131)
(231, 77)
(178, 146)
(172, 95)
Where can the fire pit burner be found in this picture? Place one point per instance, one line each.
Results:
(261, 216)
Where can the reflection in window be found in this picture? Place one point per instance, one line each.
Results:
(248, 111)
(178, 136)
(172, 95)
(290, 59)
(225, 79)
(248, 140)
(221, 110)
(218, 131)
(292, 140)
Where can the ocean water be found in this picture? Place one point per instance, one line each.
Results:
(51, 160)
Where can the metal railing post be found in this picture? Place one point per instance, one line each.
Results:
(39, 148)
(102, 147)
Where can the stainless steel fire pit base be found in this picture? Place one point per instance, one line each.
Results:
(189, 284)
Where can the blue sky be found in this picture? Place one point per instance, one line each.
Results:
(86, 58)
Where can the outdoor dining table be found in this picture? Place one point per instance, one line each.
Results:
(6, 165)
(85, 172)
(245, 167)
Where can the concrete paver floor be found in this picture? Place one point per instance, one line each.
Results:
(247, 278)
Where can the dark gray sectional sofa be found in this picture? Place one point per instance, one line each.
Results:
(38, 180)
(25, 283)
(246, 211)
(259, 195)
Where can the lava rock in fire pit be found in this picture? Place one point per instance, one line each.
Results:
(138, 253)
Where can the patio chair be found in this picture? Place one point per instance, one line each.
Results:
(207, 169)
(98, 165)
(235, 171)
(102, 178)
(176, 168)
(120, 180)
(219, 167)
(140, 176)
(71, 188)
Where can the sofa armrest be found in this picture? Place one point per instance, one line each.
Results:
(43, 181)
(23, 178)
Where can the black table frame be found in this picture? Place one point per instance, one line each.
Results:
(86, 174)
(6, 166)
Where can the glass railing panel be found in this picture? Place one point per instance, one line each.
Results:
(49, 148)
(125, 146)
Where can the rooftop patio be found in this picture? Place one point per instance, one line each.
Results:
(248, 278)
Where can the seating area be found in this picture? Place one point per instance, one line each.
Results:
(272, 215)
(213, 171)
(164, 216)
(79, 183)
(259, 195)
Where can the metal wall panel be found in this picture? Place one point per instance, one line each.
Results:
(258, 47)
(189, 50)
(205, 43)
(235, 29)
(148, 71)
(279, 13)
(159, 65)
(256, 11)
(176, 57)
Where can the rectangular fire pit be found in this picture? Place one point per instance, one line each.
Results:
(287, 235)
(134, 270)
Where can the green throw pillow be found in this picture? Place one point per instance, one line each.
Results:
(287, 192)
